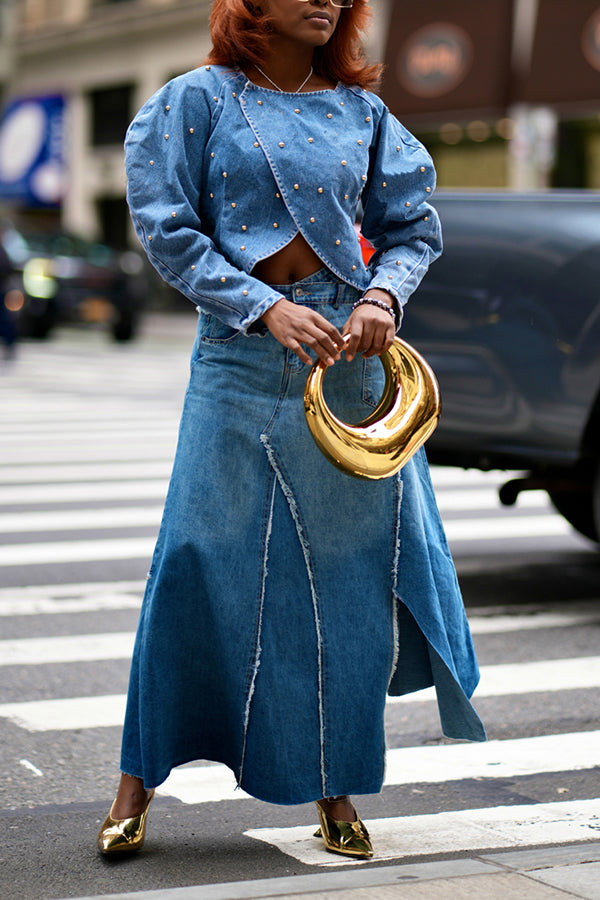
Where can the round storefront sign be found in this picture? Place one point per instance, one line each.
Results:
(434, 60)
(590, 40)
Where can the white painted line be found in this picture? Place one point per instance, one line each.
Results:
(422, 765)
(83, 492)
(75, 551)
(107, 711)
(453, 500)
(78, 519)
(74, 419)
(85, 471)
(70, 598)
(130, 548)
(445, 475)
(113, 645)
(542, 675)
(71, 648)
(578, 673)
(154, 447)
(499, 528)
(501, 624)
(494, 759)
(31, 768)
(463, 832)
(202, 784)
(53, 606)
(104, 437)
(503, 680)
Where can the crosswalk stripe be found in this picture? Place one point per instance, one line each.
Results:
(88, 596)
(76, 551)
(581, 673)
(118, 645)
(81, 519)
(442, 476)
(451, 500)
(498, 624)
(575, 673)
(72, 420)
(461, 831)
(66, 649)
(106, 711)
(81, 492)
(421, 765)
(88, 471)
(86, 438)
(494, 528)
(155, 447)
(70, 598)
(135, 547)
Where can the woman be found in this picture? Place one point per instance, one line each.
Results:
(284, 598)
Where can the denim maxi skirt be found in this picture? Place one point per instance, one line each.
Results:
(286, 598)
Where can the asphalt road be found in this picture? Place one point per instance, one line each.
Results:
(87, 437)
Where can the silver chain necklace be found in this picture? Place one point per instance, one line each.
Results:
(281, 91)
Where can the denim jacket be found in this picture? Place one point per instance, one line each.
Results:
(223, 173)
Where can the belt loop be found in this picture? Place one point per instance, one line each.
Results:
(339, 295)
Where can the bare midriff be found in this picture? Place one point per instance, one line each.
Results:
(295, 261)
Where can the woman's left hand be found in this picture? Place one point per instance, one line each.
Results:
(371, 328)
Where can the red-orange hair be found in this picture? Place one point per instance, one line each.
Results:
(240, 33)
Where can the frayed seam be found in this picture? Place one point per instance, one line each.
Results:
(287, 492)
(258, 654)
(395, 569)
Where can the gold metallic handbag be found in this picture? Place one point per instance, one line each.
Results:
(405, 417)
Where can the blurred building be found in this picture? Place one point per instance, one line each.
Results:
(504, 92)
(80, 69)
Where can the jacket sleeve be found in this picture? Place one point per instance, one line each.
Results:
(397, 219)
(164, 151)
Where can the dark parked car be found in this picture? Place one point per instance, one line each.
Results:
(509, 319)
(59, 277)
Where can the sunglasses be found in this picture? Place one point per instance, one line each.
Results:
(342, 4)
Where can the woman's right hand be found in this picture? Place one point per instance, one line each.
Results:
(294, 325)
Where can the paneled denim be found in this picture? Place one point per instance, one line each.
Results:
(286, 598)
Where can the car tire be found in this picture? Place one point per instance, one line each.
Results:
(581, 506)
(125, 327)
(38, 326)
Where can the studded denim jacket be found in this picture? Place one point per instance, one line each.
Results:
(223, 173)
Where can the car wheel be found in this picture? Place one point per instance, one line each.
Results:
(125, 326)
(38, 326)
(581, 505)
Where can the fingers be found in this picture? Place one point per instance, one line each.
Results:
(322, 338)
(371, 332)
(299, 327)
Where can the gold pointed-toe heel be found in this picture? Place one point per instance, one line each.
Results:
(123, 835)
(347, 838)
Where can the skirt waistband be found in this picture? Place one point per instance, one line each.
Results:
(322, 287)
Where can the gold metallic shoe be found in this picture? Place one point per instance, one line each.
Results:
(123, 835)
(347, 838)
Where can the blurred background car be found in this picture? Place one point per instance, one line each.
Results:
(57, 277)
(509, 319)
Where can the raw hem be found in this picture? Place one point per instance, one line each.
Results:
(264, 796)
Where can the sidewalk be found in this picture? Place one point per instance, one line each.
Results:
(553, 872)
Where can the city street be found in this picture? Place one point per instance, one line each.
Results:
(87, 435)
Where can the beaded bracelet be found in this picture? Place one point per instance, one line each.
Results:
(371, 301)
